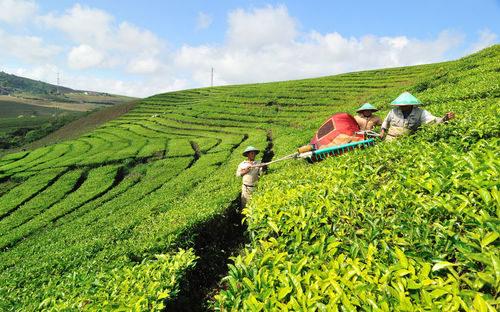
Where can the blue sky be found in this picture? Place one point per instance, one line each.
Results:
(141, 48)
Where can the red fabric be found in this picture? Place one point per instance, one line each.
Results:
(341, 123)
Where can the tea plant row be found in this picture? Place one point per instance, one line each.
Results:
(411, 225)
(145, 185)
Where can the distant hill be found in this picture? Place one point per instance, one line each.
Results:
(28, 97)
(31, 109)
(10, 84)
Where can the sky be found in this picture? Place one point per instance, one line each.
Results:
(142, 48)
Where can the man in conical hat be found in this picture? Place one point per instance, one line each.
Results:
(250, 171)
(366, 119)
(406, 116)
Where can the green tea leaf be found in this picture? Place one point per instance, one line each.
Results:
(489, 238)
(436, 293)
(496, 268)
(273, 227)
(485, 195)
(481, 305)
(403, 261)
(441, 265)
(284, 291)
(490, 279)
(424, 271)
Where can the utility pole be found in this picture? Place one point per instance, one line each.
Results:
(55, 109)
(212, 78)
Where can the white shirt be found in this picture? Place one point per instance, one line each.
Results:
(252, 175)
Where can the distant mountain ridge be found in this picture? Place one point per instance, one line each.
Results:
(11, 84)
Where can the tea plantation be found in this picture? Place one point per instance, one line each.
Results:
(120, 218)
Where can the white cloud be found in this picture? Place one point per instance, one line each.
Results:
(260, 27)
(486, 39)
(144, 88)
(144, 65)
(264, 45)
(95, 27)
(130, 38)
(103, 44)
(81, 24)
(84, 56)
(47, 73)
(16, 11)
(27, 48)
(204, 21)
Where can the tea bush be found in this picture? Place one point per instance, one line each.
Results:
(410, 225)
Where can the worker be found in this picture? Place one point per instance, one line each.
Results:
(250, 171)
(366, 119)
(407, 117)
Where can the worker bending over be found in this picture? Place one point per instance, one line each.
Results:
(407, 117)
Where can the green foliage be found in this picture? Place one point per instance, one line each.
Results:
(406, 226)
(21, 131)
(141, 287)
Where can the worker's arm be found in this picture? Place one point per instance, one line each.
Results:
(386, 124)
(243, 169)
(240, 170)
(428, 117)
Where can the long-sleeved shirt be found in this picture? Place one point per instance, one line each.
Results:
(367, 123)
(418, 116)
(252, 175)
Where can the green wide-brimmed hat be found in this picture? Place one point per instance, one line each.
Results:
(406, 99)
(250, 149)
(367, 106)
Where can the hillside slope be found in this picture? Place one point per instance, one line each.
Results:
(30, 109)
(412, 225)
(119, 216)
(85, 124)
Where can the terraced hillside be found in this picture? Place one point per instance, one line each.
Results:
(120, 217)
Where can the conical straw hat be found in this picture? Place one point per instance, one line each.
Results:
(367, 106)
(406, 99)
(249, 149)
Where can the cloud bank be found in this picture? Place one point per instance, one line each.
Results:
(96, 52)
(266, 45)
(15, 12)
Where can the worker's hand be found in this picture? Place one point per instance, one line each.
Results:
(382, 133)
(449, 115)
(246, 169)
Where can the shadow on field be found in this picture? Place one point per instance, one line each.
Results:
(268, 153)
(214, 243)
